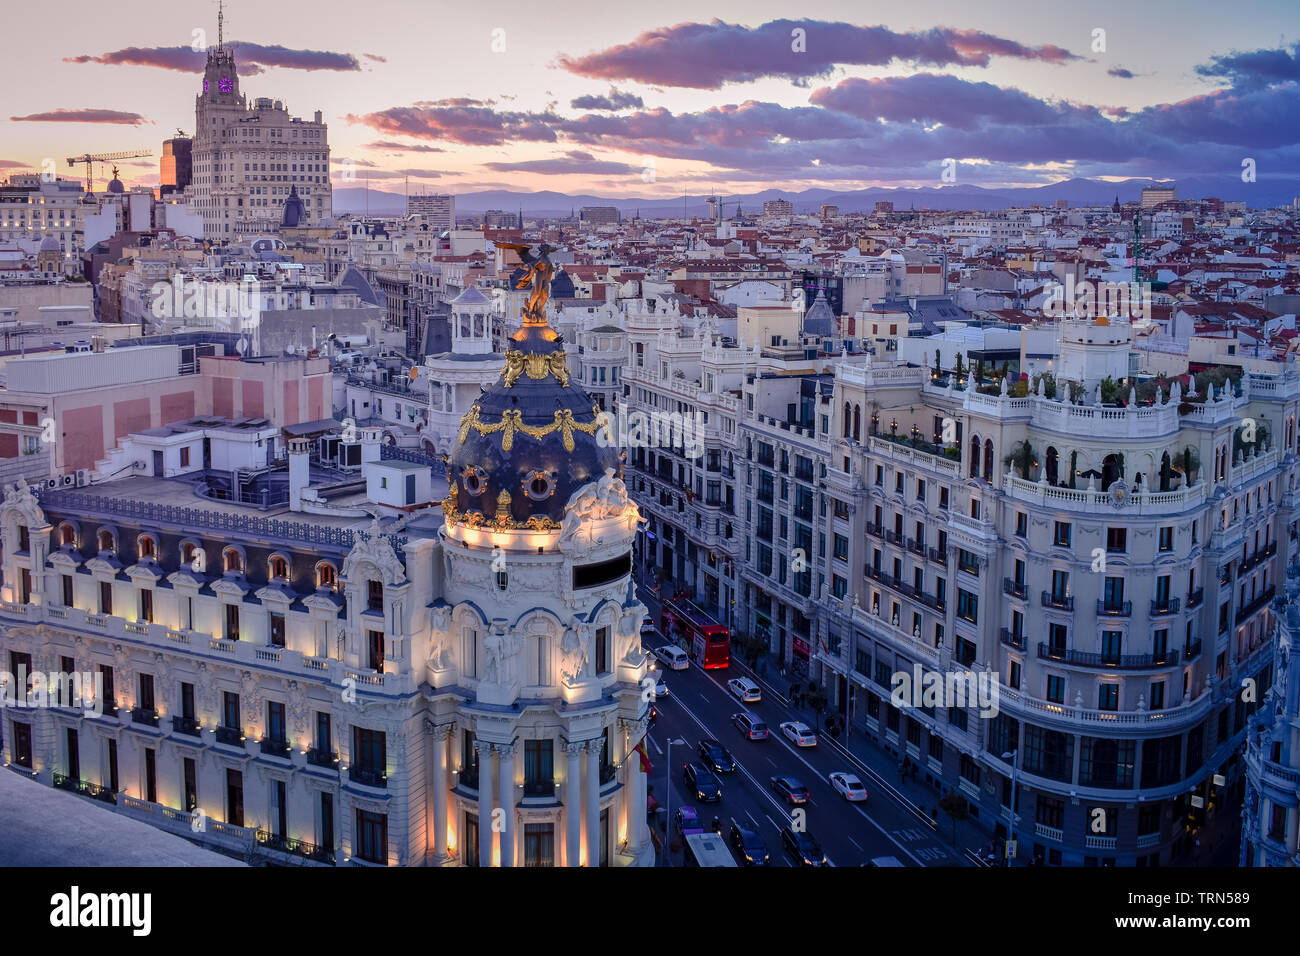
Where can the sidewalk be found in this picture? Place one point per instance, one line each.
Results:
(973, 836)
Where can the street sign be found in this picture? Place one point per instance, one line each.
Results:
(1011, 849)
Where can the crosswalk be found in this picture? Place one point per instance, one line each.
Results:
(912, 837)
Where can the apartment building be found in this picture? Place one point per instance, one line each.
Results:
(1271, 813)
(1113, 567)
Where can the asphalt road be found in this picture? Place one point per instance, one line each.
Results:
(700, 706)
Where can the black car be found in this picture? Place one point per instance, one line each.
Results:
(791, 789)
(802, 848)
(717, 756)
(702, 783)
(749, 846)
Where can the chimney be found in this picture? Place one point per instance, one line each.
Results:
(299, 471)
(370, 440)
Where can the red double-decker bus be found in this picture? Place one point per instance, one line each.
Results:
(708, 642)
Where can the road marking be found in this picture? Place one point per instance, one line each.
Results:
(654, 743)
(856, 843)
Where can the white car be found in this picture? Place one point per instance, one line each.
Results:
(648, 627)
(848, 786)
(673, 657)
(745, 689)
(661, 685)
(799, 733)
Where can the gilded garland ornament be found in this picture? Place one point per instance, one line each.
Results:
(512, 421)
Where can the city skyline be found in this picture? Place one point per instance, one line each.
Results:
(658, 102)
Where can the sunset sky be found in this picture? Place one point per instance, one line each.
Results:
(588, 97)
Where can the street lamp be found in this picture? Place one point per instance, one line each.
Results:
(1014, 757)
(668, 798)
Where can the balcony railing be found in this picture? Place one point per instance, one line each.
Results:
(186, 725)
(1192, 650)
(1118, 661)
(368, 777)
(322, 758)
(607, 772)
(1167, 606)
(1013, 640)
(916, 547)
(1114, 608)
(1262, 554)
(308, 851)
(233, 736)
(1263, 598)
(539, 788)
(144, 715)
(1016, 589)
(1194, 598)
(83, 787)
(275, 748)
(468, 777)
(894, 537)
(1060, 601)
(937, 556)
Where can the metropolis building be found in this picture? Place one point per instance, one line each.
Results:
(441, 682)
(248, 160)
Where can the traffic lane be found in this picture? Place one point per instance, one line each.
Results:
(847, 833)
(741, 799)
(886, 826)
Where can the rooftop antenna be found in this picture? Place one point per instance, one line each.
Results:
(221, 23)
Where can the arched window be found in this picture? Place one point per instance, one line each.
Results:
(279, 568)
(857, 422)
(106, 540)
(1109, 471)
(974, 456)
(848, 420)
(67, 536)
(232, 561)
(326, 576)
(1053, 459)
(148, 547)
(988, 460)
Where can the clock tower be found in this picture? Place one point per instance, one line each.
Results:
(249, 159)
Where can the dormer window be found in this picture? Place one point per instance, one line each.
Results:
(148, 548)
(232, 561)
(67, 536)
(326, 577)
(106, 542)
(279, 568)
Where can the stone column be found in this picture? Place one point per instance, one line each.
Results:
(593, 802)
(634, 802)
(484, 751)
(506, 752)
(572, 804)
(441, 735)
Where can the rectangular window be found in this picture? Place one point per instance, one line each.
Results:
(1108, 697)
(105, 597)
(230, 711)
(146, 693)
(235, 798)
(539, 768)
(375, 648)
(1167, 539)
(1056, 688)
(602, 650)
(372, 837)
(1022, 524)
(67, 589)
(1061, 534)
(22, 748)
(232, 622)
(146, 604)
(277, 630)
(190, 781)
(150, 775)
(1117, 540)
(539, 844)
(326, 820)
(187, 701)
(275, 726)
(375, 596)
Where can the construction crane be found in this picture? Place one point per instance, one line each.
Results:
(91, 158)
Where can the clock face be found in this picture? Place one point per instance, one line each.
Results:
(224, 84)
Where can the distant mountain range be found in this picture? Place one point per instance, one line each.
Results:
(1078, 192)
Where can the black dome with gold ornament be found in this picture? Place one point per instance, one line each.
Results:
(533, 438)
